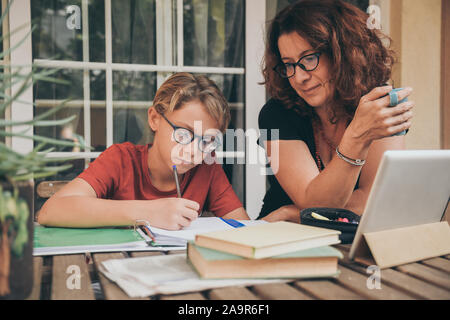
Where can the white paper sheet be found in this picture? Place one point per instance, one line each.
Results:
(168, 274)
(202, 225)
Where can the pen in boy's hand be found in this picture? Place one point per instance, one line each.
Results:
(175, 174)
(177, 183)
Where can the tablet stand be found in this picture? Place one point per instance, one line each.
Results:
(389, 248)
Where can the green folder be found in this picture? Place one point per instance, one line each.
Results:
(62, 237)
(53, 241)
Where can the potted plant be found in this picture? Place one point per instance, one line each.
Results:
(17, 172)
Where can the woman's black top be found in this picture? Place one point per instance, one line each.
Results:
(291, 126)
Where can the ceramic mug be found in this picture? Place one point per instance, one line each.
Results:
(393, 101)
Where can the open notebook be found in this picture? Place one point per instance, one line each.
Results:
(53, 241)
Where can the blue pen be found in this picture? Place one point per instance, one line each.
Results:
(233, 223)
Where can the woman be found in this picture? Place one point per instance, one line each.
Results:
(326, 72)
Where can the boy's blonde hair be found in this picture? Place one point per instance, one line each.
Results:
(183, 87)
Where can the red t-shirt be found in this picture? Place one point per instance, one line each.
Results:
(121, 173)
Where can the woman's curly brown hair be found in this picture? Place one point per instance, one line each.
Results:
(359, 59)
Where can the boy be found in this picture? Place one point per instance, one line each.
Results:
(129, 182)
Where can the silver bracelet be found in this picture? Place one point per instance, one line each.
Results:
(355, 162)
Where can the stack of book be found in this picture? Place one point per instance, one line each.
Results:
(271, 250)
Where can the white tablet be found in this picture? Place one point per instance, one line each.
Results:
(411, 187)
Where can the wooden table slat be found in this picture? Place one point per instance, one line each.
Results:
(326, 289)
(358, 283)
(111, 290)
(175, 252)
(63, 278)
(232, 293)
(402, 281)
(396, 279)
(436, 277)
(188, 296)
(354, 276)
(279, 291)
(38, 263)
(137, 254)
(428, 279)
(438, 263)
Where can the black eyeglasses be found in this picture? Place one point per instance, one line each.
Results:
(307, 63)
(206, 144)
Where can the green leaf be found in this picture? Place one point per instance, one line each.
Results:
(26, 84)
(6, 10)
(35, 164)
(38, 175)
(9, 50)
(10, 206)
(20, 240)
(36, 123)
(44, 139)
(24, 212)
(44, 115)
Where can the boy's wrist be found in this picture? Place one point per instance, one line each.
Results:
(141, 210)
(129, 212)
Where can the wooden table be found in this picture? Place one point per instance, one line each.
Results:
(428, 279)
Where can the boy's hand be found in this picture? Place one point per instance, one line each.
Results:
(170, 213)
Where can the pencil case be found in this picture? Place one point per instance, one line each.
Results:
(348, 229)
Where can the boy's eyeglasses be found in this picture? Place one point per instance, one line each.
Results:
(307, 63)
(206, 144)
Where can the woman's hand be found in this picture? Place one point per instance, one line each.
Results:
(374, 119)
(284, 213)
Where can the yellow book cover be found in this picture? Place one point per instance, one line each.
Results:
(269, 239)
